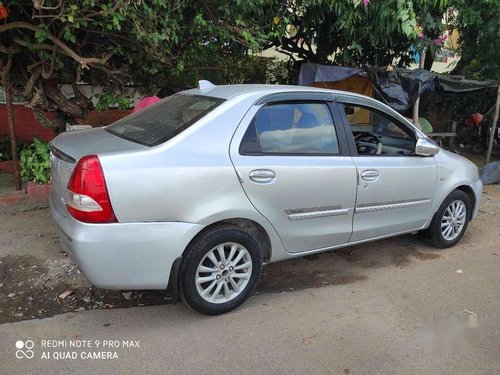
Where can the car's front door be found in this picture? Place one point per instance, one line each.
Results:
(395, 187)
(289, 156)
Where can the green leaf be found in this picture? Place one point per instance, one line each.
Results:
(34, 161)
(40, 35)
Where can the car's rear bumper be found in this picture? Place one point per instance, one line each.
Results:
(124, 255)
(477, 186)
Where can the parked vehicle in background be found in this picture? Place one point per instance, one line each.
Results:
(198, 191)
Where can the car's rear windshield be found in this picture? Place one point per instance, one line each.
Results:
(165, 119)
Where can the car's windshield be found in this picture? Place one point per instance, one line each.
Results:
(165, 119)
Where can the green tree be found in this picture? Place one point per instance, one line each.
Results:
(358, 32)
(478, 22)
(47, 42)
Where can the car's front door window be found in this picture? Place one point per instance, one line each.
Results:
(377, 133)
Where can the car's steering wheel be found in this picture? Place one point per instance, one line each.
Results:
(375, 146)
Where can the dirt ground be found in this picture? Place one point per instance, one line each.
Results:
(35, 271)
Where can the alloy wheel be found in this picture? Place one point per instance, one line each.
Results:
(224, 272)
(453, 220)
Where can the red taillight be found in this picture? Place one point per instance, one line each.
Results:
(87, 197)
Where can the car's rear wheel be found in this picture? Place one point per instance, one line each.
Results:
(220, 270)
(450, 221)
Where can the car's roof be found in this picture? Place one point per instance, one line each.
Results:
(232, 91)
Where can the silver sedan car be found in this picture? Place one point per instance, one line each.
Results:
(196, 192)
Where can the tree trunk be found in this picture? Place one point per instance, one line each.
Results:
(429, 60)
(459, 68)
(12, 133)
(493, 127)
(57, 124)
(81, 100)
(63, 103)
(417, 102)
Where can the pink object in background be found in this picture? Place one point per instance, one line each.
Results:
(146, 102)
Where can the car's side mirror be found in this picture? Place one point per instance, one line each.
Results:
(426, 147)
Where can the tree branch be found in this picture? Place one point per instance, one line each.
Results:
(83, 61)
(9, 50)
(110, 72)
(32, 80)
(5, 71)
(38, 5)
(47, 75)
(291, 45)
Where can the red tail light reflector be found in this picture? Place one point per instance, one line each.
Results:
(87, 197)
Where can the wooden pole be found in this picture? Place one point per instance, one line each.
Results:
(417, 102)
(493, 127)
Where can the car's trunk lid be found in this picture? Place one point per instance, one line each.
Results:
(68, 148)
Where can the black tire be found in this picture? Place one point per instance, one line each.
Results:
(434, 233)
(195, 254)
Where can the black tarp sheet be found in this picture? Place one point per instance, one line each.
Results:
(398, 87)
(458, 84)
(310, 73)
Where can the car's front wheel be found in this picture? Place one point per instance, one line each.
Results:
(450, 221)
(220, 270)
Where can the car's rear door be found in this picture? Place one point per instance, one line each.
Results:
(291, 158)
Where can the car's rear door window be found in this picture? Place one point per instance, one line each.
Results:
(291, 128)
(165, 119)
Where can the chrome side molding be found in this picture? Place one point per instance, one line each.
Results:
(390, 205)
(313, 213)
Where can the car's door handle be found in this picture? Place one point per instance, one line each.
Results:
(262, 176)
(369, 175)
